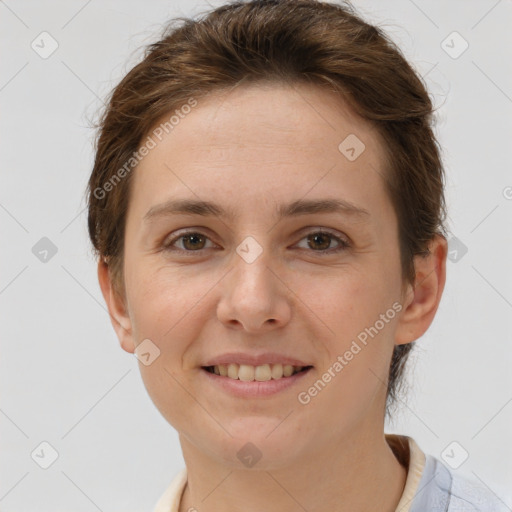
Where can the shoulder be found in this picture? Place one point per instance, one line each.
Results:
(442, 490)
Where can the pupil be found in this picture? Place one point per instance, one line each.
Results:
(320, 236)
(188, 238)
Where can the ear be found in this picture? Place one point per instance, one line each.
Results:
(116, 308)
(422, 300)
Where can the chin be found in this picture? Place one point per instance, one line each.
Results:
(257, 444)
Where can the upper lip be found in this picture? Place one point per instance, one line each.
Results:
(254, 360)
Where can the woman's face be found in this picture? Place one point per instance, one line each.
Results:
(271, 272)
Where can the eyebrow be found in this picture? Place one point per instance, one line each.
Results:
(295, 208)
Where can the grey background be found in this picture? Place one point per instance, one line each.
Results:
(64, 379)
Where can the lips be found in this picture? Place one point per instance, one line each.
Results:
(252, 388)
(254, 375)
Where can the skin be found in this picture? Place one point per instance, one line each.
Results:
(251, 149)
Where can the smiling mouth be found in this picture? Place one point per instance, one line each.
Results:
(261, 373)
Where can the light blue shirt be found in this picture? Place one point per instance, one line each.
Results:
(440, 490)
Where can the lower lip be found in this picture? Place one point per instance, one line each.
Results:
(254, 389)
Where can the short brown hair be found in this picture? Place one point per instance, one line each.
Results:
(287, 41)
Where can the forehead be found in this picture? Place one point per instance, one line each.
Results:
(294, 117)
(264, 140)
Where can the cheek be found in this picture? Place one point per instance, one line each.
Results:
(172, 309)
(168, 313)
(349, 302)
(358, 354)
(358, 309)
(159, 298)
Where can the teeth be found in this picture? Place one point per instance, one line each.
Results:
(232, 371)
(287, 370)
(277, 371)
(260, 373)
(246, 372)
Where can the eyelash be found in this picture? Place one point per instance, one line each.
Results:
(343, 244)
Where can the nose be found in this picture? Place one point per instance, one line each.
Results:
(254, 297)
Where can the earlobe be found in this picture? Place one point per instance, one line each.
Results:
(116, 308)
(422, 300)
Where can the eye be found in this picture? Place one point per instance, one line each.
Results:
(191, 241)
(320, 241)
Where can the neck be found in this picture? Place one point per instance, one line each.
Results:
(361, 473)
